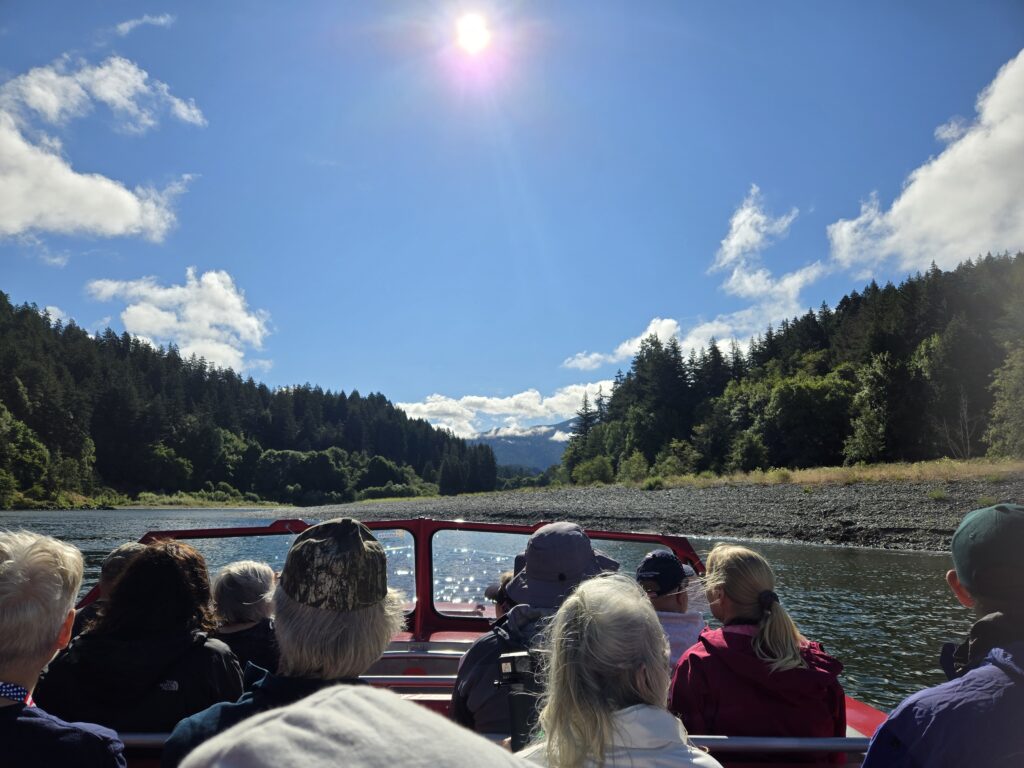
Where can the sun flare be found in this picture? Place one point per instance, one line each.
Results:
(472, 33)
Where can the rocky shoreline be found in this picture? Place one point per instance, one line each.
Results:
(888, 515)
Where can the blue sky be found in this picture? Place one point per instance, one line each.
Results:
(338, 193)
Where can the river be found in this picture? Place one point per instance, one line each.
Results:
(883, 613)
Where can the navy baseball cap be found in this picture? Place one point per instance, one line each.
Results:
(664, 569)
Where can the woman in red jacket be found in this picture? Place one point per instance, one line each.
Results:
(757, 675)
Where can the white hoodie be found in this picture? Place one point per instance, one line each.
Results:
(682, 630)
(645, 736)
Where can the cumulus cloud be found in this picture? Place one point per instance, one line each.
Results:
(58, 92)
(465, 416)
(40, 191)
(964, 202)
(207, 316)
(663, 328)
(56, 314)
(127, 27)
(751, 230)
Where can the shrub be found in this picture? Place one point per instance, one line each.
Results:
(251, 497)
(778, 476)
(938, 494)
(655, 483)
(634, 469)
(591, 471)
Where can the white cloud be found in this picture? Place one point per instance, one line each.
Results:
(560, 437)
(207, 316)
(58, 92)
(466, 415)
(751, 230)
(56, 314)
(41, 192)
(127, 27)
(965, 202)
(39, 189)
(951, 130)
(663, 328)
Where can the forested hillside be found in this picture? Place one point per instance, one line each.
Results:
(931, 368)
(81, 413)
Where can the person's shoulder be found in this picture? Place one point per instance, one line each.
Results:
(86, 743)
(535, 753)
(196, 729)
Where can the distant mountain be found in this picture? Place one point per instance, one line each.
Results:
(533, 447)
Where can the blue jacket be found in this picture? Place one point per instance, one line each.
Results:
(974, 719)
(31, 736)
(263, 691)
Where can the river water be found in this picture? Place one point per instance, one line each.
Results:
(884, 614)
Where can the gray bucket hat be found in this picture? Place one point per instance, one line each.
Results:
(336, 566)
(558, 557)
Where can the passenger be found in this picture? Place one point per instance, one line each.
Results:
(975, 718)
(757, 675)
(351, 726)
(39, 580)
(666, 579)
(558, 557)
(112, 566)
(607, 683)
(335, 617)
(243, 595)
(498, 593)
(148, 662)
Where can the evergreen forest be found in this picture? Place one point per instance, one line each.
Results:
(108, 417)
(931, 368)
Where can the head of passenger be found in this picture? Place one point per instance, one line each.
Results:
(665, 578)
(987, 574)
(113, 565)
(163, 590)
(607, 651)
(39, 579)
(558, 557)
(243, 593)
(740, 588)
(498, 593)
(333, 610)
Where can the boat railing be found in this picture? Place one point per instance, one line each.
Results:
(732, 745)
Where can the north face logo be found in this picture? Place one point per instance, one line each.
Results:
(169, 685)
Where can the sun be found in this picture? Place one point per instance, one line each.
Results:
(472, 33)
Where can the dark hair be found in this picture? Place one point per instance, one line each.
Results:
(164, 589)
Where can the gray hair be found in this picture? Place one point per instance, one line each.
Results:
(243, 592)
(39, 580)
(114, 563)
(606, 651)
(330, 645)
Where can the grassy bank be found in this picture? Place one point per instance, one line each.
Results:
(939, 471)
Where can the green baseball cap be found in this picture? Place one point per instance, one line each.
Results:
(988, 552)
(336, 566)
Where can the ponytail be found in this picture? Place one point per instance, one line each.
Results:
(747, 579)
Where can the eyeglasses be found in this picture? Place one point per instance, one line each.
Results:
(654, 593)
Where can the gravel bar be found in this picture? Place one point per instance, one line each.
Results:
(918, 516)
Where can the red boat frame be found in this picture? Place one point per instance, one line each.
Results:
(426, 624)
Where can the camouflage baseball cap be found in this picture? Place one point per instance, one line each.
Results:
(336, 566)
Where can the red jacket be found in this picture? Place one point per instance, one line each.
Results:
(720, 687)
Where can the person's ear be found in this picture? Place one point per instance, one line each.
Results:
(65, 631)
(966, 598)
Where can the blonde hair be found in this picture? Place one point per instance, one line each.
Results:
(39, 580)
(745, 576)
(606, 651)
(243, 592)
(330, 645)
